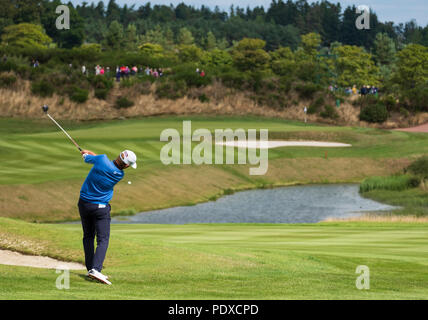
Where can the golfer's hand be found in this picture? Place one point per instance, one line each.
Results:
(87, 152)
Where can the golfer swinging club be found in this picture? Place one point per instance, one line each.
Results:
(94, 207)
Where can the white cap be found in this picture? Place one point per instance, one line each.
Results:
(128, 157)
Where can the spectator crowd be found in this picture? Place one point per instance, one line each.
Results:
(124, 72)
(363, 91)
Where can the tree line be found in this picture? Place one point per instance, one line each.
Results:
(280, 25)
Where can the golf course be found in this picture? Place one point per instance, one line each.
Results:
(42, 174)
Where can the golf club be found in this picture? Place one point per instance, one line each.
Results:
(45, 110)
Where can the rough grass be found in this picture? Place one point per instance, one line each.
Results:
(228, 261)
(394, 183)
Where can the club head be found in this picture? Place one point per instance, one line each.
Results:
(45, 108)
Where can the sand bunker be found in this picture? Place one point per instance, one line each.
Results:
(18, 259)
(277, 144)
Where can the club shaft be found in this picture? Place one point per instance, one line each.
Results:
(65, 132)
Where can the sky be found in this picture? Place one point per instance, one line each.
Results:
(387, 10)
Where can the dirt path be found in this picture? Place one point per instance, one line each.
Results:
(17, 259)
(421, 128)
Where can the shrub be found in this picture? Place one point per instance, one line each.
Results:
(389, 102)
(102, 86)
(126, 83)
(234, 79)
(419, 167)
(394, 183)
(192, 78)
(24, 71)
(329, 112)
(42, 88)
(203, 98)
(32, 73)
(314, 107)
(416, 98)
(7, 80)
(79, 95)
(7, 66)
(285, 84)
(307, 91)
(101, 94)
(374, 113)
(171, 89)
(101, 82)
(123, 103)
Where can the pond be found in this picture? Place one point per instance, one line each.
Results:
(298, 204)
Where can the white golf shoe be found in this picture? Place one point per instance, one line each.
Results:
(94, 274)
(104, 275)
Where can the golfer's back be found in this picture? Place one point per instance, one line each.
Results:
(99, 184)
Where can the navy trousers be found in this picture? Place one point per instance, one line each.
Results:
(95, 222)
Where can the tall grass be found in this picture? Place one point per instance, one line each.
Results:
(393, 183)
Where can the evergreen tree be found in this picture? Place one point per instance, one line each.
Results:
(210, 41)
(185, 37)
(113, 12)
(384, 49)
(131, 38)
(114, 37)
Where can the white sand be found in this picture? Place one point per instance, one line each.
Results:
(278, 143)
(17, 259)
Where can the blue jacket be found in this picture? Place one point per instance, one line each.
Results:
(99, 184)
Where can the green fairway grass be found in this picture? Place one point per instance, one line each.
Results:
(42, 171)
(236, 261)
